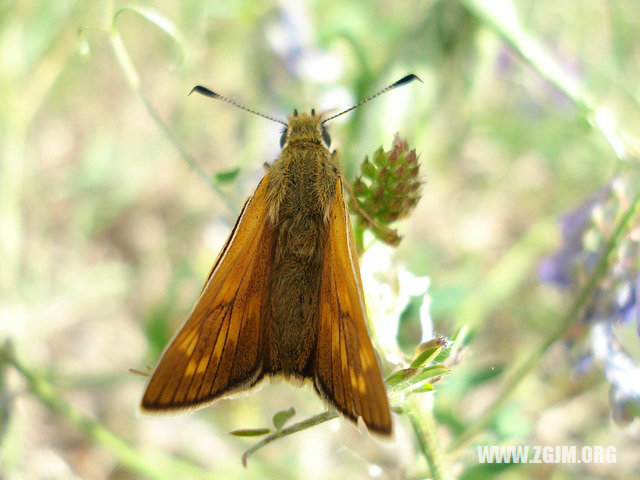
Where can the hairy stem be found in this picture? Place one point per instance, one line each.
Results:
(424, 428)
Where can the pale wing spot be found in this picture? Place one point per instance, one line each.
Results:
(202, 366)
(335, 339)
(191, 368)
(233, 331)
(192, 345)
(365, 360)
(186, 341)
(343, 356)
(353, 378)
(362, 386)
(217, 352)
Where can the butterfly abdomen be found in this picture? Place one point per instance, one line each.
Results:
(294, 296)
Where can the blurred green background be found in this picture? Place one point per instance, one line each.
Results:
(107, 232)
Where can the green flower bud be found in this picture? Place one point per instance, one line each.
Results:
(388, 188)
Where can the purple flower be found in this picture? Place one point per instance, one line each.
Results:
(616, 298)
(558, 268)
(628, 303)
(621, 371)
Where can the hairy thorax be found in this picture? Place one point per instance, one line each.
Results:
(301, 187)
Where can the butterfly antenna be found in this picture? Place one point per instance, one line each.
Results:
(403, 81)
(208, 93)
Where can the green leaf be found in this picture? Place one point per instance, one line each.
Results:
(250, 432)
(429, 372)
(401, 376)
(281, 417)
(425, 387)
(402, 379)
(226, 176)
(426, 356)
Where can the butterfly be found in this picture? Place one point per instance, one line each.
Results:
(284, 297)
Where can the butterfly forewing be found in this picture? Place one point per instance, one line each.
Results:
(347, 373)
(219, 349)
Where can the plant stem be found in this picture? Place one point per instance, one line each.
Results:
(296, 427)
(500, 17)
(151, 466)
(565, 323)
(424, 427)
(133, 80)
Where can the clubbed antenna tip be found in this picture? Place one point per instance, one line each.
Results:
(210, 93)
(403, 81)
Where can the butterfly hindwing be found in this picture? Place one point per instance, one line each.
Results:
(347, 373)
(203, 362)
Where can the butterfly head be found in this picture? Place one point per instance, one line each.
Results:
(305, 127)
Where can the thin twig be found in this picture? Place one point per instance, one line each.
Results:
(296, 427)
(159, 467)
(133, 79)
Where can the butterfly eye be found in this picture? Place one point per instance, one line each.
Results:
(283, 138)
(326, 137)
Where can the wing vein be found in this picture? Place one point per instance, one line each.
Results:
(214, 341)
(344, 368)
(200, 352)
(226, 335)
(235, 350)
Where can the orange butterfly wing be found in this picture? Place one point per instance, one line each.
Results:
(203, 362)
(347, 373)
